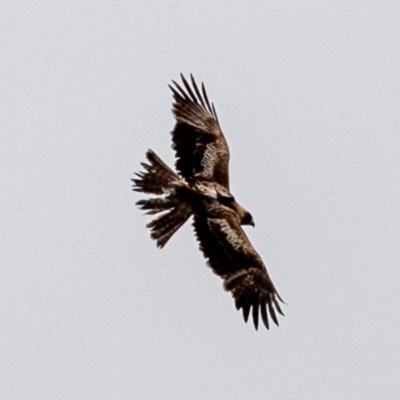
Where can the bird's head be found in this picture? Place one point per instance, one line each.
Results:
(244, 216)
(228, 200)
(247, 219)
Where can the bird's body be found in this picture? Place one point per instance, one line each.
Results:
(201, 189)
(202, 198)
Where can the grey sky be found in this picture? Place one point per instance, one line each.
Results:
(307, 93)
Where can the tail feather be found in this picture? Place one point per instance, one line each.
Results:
(163, 227)
(157, 205)
(157, 178)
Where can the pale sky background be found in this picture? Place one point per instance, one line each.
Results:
(308, 95)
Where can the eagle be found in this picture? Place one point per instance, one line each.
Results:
(199, 188)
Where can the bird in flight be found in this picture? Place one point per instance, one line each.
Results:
(200, 189)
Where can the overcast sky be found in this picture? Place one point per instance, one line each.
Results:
(308, 96)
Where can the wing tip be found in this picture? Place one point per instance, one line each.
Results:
(192, 93)
(267, 306)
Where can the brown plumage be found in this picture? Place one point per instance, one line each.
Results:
(201, 188)
(232, 257)
(198, 141)
(159, 179)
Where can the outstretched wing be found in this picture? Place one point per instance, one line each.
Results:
(197, 138)
(232, 257)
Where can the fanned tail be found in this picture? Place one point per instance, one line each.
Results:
(159, 179)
